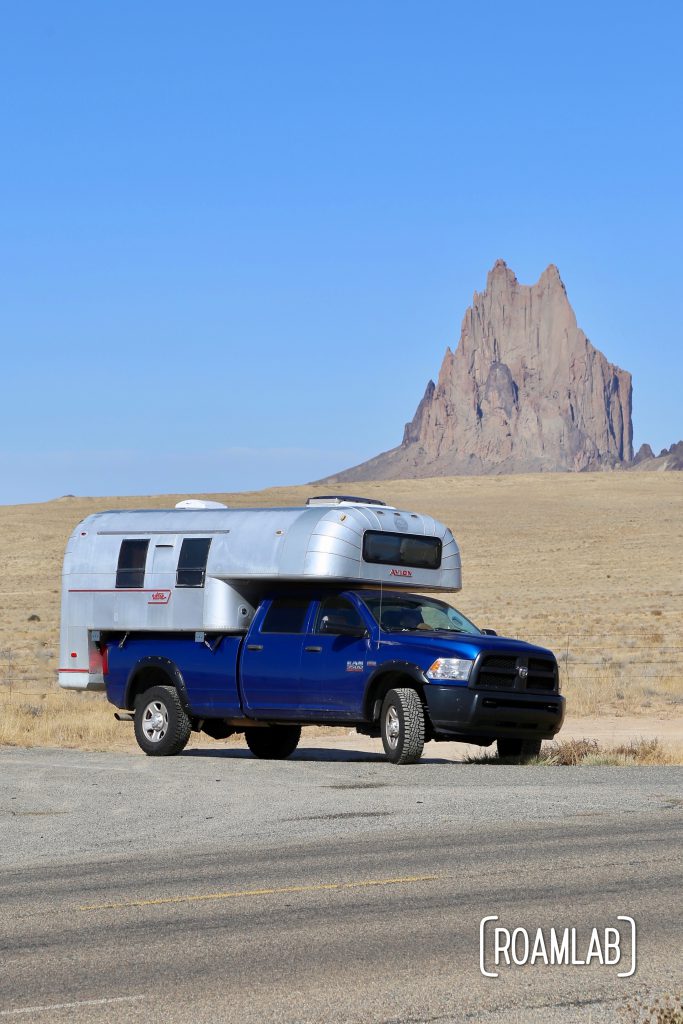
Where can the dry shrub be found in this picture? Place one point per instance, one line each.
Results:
(570, 752)
(589, 752)
(667, 1009)
(586, 752)
(644, 751)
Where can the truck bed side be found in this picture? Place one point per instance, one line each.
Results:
(208, 670)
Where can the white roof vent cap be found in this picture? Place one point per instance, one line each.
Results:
(196, 503)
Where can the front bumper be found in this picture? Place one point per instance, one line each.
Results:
(484, 715)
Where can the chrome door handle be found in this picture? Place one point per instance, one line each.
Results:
(313, 650)
(254, 647)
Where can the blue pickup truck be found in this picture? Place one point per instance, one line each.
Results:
(398, 665)
(260, 620)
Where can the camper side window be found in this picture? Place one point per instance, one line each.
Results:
(194, 553)
(130, 571)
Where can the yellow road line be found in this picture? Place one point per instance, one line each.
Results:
(283, 891)
(69, 1006)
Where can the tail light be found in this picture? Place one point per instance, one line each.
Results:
(99, 659)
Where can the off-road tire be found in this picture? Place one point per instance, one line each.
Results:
(518, 751)
(161, 705)
(274, 743)
(402, 724)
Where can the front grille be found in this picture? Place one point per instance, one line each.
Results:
(497, 672)
(542, 675)
(501, 672)
(495, 681)
(506, 662)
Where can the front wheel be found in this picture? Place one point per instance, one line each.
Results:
(402, 723)
(518, 751)
(273, 743)
(161, 726)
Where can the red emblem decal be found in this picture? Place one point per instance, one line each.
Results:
(159, 597)
(400, 572)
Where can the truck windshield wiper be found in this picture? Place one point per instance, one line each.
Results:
(446, 629)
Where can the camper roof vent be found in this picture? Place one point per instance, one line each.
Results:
(344, 499)
(196, 503)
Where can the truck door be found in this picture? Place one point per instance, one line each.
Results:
(334, 668)
(271, 660)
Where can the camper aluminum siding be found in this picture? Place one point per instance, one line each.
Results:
(250, 548)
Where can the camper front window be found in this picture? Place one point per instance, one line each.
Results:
(401, 549)
(130, 572)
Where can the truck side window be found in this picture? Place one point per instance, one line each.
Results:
(194, 553)
(340, 608)
(130, 571)
(286, 615)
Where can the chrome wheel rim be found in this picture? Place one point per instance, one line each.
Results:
(393, 727)
(155, 721)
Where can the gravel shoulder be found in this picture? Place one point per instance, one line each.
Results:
(58, 804)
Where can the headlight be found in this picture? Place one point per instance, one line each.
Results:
(450, 668)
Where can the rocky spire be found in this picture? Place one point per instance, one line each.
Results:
(524, 391)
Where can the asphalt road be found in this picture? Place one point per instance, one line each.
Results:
(213, 887)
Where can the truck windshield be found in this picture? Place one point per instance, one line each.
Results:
(407, 612)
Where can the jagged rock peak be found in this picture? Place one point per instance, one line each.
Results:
(524, 390)
(644, 452)
(668, 459)
(500, 269)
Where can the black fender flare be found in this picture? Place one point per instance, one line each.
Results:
(168, 668)
(398, 667)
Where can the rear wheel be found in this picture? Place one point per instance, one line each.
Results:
(402, 722)
(518, 751)
(274, 743)
(161, 726)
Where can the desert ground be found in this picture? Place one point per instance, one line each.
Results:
(587, 564)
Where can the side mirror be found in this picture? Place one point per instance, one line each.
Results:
(339, 626)
(488, 632)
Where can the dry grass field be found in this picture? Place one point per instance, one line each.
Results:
(590, 565)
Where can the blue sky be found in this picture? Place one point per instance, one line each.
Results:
(235, 240)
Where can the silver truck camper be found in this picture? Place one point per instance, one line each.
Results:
(203, 567)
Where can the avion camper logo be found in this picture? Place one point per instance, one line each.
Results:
(159, 597)
(400, 572)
